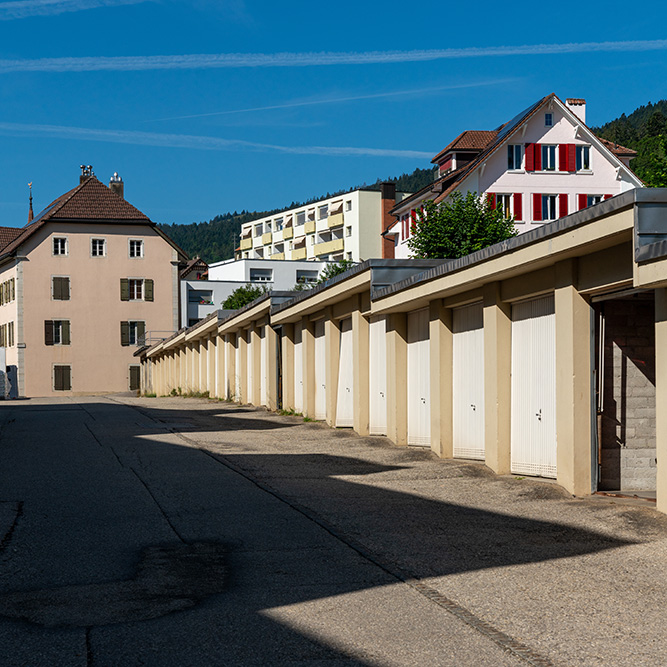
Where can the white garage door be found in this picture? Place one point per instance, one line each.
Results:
(378, 377)
(250, 376)
(468, 382)
(419, 415)
(345, 404)
(298, 368)
(320, 372)
(264, 371)
(534, 388)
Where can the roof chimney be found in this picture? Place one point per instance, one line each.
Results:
(116, 185)
(577, 106)
(86, 173)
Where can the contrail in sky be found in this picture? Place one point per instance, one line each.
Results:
(196, 141)
(349, 98)
(21, 9)
(236, 60)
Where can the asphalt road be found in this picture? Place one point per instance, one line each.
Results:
(187, 532)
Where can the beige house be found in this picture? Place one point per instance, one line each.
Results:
(545, 355)
(83, 284)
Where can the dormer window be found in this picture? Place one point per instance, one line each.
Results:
(548, 120)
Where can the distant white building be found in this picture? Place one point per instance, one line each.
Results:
(199, 298)
(346, 226)
(542, 165)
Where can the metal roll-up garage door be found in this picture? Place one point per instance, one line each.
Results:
(345, 398)
(419, 415)
(534, 388)
(250, 379)
(378, 376)
(468, 382)
(320, 372)
(298, 368)
(263, 368)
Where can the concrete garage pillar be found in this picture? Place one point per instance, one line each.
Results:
(441, 346)
(397, 378)
(287, 370)
(272, 341)
(573, 383)
(211, 359)
(203, 365)
(242, 372)
(182, 363)
(360, 372)
(194, 368)
(308, 377)
(661, 396)
(230, 367)
(219, 365)
(332, 357)
(255, 365)
(497, 380)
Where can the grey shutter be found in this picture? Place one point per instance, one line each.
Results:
(65, 336)
(48, 332)
(134, 378)
(124, 333)
(67, 377)
(64, 288)
(124, 289)
(58, 378)
(141, 333)
(148, 290)
(57, 289)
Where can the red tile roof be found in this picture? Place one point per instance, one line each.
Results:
(470, 140)
(8, 234)
(617, 149)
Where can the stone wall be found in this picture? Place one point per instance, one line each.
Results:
(628, 421)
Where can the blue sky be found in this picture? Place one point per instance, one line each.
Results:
(208, 106)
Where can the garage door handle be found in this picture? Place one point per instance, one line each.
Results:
(472, 405)
(424, 401)
(539, 415)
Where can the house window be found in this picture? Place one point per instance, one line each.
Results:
(56, 332)
(98, 247)
(62, 378)
(60, 288)
(514, 154)
(258, 230)
(136, 248)
(323, 212)
(548, 120)
(136, 289)
(59, 245)
(348, 205)
(306, 277)
(203, 297)
(348, 231)
(583, 158)
(591, 200)
(504, 203)
(7, 335)
(349, 256)
(261, 275)
(132, 333)
(548, 157)
(549, 207)
(279, 224)
(301, 218)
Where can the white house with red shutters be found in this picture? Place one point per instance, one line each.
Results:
(540, 166)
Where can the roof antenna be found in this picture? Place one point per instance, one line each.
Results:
(31, 215)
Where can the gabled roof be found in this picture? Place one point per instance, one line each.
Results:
(194, 263)
(617, 149)
(7, 235)
(469, 140)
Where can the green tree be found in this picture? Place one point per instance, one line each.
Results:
(651, 161)
(332, 270)
(458, 226)
(242, 296)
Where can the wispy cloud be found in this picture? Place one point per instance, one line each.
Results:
(228, 60)
(196, 141)
(413, 92)
(21, 9)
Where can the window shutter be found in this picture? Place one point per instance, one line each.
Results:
(48, 332)
(58, 378)
(124, 333)
(148, 290)
(491, 198)
(65, 377)
(141, 333)
(608, 196)
(518, 213)
(65, 335)
(571, 157)
(537, 149)
(562, 157)
(57, 289)
(562, 205)
(537, 206)
(583, 201)
(64, 286)
(530, 157)
(13, 289)
(124, 289)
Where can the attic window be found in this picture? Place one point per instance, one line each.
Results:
(548, 120)
(59, 245)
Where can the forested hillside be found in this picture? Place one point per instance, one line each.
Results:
(216, 239)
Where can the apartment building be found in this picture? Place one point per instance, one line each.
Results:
(82, 285)
(542, 165)
(346, 226)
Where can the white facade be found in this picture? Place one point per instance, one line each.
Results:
(343, 227)
(546, 166)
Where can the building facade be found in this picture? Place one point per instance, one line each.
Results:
(542, 165)
(84, 283)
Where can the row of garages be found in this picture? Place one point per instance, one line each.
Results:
(537, 356)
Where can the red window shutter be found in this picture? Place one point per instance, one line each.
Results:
(518, 213)
(608, 196)
(571, 158)
(562, 205)
(537, 206)
(491, 198)
(562, 157)
(530, 154)
(583, 200)
(537, 148)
